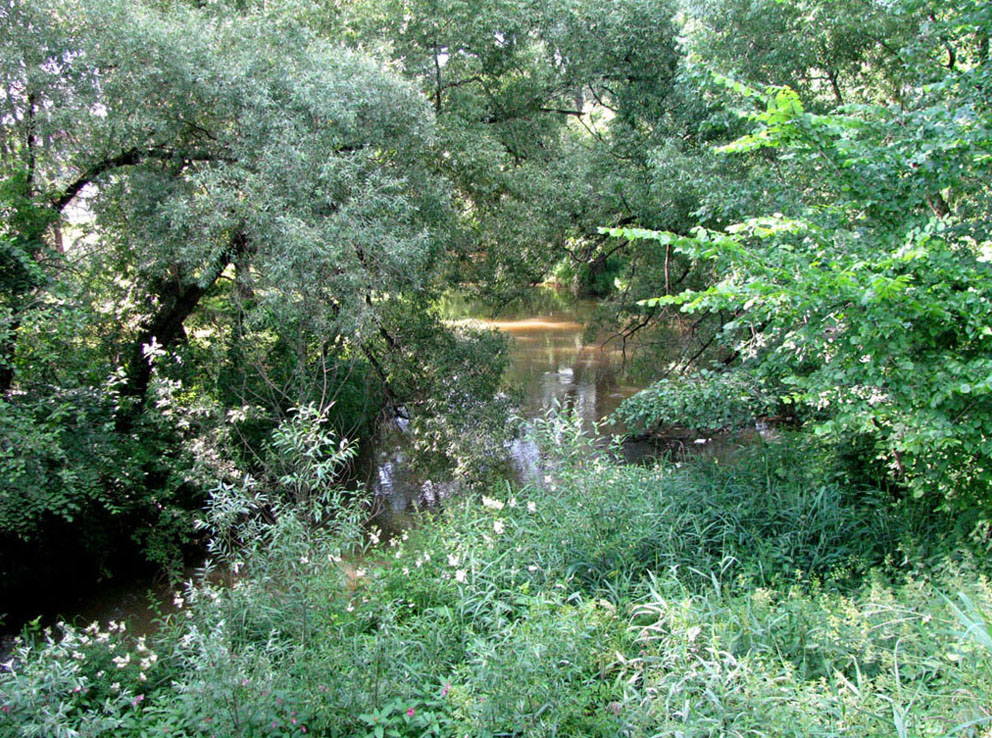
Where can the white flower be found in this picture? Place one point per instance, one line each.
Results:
(491, 503)
(460, 575)
(406, 571)
(532, 507)
(115, 687)
(512, 502)
(359, 573)
(177, 600)
(498, 527)
(142, 676)
(350, 608)
(452, 560)
(122, 661)
(533, 568)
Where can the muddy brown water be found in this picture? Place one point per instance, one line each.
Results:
(553, 359)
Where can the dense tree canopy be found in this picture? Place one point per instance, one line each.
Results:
(214, 213)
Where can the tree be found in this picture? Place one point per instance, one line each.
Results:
(864, 306)
(199, 148)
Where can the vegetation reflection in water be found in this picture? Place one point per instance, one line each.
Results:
(556, 357)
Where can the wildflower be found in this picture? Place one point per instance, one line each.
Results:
(138, 699)
(532, 507)
(460, 575)
(122, 661)
(512, 502)
(452, 560)
(359, 573)
(498, 527)
(350, 608)
(444, 691)
(374, 538)
(78, 655)
(115, 687)
(409, 713)
(406, 571)
(533, 568)
(142, 677)
(491, 503)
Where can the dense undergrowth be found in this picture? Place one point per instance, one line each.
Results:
(610, 600)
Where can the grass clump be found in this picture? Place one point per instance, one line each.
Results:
(609, 600)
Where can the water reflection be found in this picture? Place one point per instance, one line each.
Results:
(554, 359)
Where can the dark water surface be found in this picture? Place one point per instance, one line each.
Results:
(554, 358)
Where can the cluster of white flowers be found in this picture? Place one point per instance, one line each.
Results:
(492, 504)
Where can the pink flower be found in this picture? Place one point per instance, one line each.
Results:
(136, 700)
(409, 713)
(444, 692)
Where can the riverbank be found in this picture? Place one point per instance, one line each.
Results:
(606, 600)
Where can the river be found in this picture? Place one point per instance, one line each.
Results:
(553, 358)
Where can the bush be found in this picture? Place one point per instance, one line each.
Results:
(606, 601)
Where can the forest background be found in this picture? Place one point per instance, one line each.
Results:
(226, 229)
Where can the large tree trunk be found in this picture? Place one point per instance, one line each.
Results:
(177, 301)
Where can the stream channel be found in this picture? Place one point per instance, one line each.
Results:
(552, 359)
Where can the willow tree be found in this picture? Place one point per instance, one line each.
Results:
(186, 189)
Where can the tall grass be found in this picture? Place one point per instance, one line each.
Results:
(752, 599)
